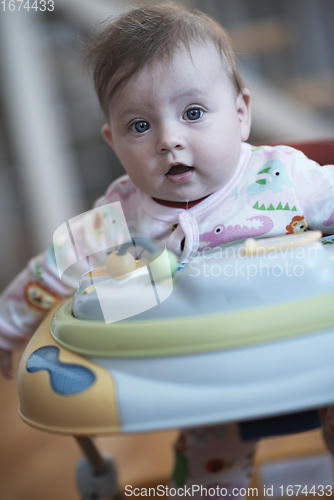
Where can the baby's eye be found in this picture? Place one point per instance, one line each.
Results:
(140, 126)
(193, 114)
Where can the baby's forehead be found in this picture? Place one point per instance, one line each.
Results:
(196, 62)
(183, 54)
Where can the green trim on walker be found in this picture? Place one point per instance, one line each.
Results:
(190, 335)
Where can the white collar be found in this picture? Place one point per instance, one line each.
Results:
(169, 214)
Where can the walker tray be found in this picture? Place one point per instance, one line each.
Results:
(240, 332)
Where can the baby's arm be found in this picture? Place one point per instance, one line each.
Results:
(38, 288)
(27, 299)
(24, 303)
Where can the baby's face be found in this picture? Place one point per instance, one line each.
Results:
(177, 127)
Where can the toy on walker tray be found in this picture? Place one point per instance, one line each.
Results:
(239, 332)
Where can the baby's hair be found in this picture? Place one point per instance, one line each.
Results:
(148, 34)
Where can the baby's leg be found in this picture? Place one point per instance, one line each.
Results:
(213, 457)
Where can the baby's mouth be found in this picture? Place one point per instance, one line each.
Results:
(179, 174)
(178, 169)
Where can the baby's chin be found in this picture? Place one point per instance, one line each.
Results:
(183, 193)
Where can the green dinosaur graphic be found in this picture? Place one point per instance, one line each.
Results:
(271, 207)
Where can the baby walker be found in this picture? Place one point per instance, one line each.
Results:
(146, 344)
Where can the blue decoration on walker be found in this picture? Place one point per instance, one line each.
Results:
(66, 378)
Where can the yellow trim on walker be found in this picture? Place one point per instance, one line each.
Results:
(88, 412)
(189, 335)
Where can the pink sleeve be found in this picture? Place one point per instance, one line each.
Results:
(27, 299)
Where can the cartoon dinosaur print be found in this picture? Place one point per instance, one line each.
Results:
(272, 177)
(221, 234)
(297, 225)
(39, 297)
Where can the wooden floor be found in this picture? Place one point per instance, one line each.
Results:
(36, 465)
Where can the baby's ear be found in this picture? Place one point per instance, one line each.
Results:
(106, 134)
(244, 113)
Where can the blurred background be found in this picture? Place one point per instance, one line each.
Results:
(53, 161)
(54, 164)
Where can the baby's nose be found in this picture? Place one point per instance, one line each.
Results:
(170, 138)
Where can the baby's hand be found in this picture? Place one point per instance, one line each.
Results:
(6, 364)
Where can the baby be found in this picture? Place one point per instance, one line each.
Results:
(178, 115)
